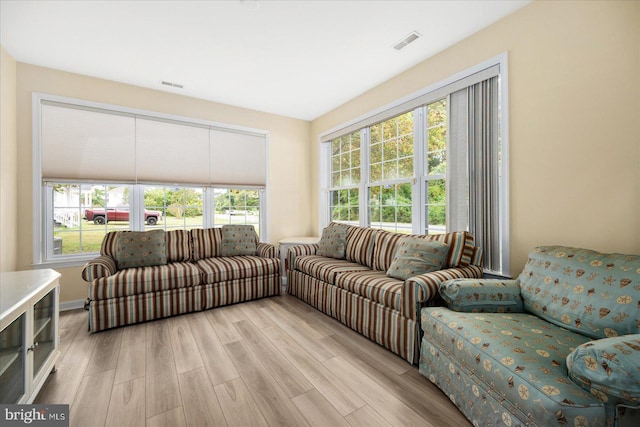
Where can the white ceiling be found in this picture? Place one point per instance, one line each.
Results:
(294, 58)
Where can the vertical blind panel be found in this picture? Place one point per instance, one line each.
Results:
(484, 183)
(238, 158)
(172, 153)
(87, 145)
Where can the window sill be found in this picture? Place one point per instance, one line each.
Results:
(65, 262)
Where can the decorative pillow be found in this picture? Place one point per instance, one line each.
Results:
(415, 256)
(140, 249)
(333, 242)
(239, 240)
(608, 367)
(482, 295)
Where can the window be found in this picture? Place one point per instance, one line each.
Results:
(345, 179)
(79, 216)
(172, 208)
(99, 168)
(432, 163)
(236, 206)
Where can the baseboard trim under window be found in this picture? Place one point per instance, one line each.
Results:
(71, 305)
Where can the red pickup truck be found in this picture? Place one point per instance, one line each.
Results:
(120, 213)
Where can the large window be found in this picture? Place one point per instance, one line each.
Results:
(432, 163)
(100, 168)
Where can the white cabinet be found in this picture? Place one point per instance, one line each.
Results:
(29, 341)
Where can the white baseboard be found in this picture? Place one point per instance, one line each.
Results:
(71, 305)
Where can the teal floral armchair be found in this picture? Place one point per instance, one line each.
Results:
(558, 346)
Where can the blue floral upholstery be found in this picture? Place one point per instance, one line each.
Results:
(482, 296)
(541, 366)
(608, 368)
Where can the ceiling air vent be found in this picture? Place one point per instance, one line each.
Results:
(413, 36)
(179, 86)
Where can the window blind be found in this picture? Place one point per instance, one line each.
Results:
(83, 143)
(86, 144)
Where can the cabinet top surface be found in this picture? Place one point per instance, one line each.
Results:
(17, 287)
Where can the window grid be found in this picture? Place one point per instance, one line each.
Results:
(178, 208)
(237, 206)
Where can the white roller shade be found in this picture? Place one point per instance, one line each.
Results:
(168, 152)
(238, 158)
(86, 144)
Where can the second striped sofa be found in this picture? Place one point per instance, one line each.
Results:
(356, 290)
(195, 277)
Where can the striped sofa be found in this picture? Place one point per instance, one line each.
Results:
(196, 277)
(357, 291)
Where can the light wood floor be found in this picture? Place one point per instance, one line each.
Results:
(270, 362)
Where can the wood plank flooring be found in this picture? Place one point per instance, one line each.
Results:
(270, 362)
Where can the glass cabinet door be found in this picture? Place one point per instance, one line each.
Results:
(12, 361)
(43, 336)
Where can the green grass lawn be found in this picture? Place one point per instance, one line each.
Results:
(88, 236)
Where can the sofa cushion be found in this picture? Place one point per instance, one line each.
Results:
(333, 241)
(373, 285)
(482, 295)
(239, 240)
(324, 268)
(415, 256)
(461, 247)
(140, 249)
(592, 293)
(384, 249)
(237, 267)
(520, 358)
(608, 367)
(207, 243)
(140, 280)
(359, 247)
(178, 244)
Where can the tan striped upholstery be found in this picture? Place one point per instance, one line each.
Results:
(325, 268)
(418, 291)
(299, 250)
(114, 312)
(233, 291)
(373, 285)
(109, 244)
(267, 250)
(384, 249)
(207, 243)
(140, 280)
(315, 292)
(461, 247)
(178, 244)
(359, 247)
(101, 266)
(222, 269)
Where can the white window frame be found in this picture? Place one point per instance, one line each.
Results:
(419, 184)
(42, 198)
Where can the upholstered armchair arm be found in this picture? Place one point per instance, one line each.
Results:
(608, 369)
(268, 250)
(422, 290)
(299, 250)
(482, 295)
(102, 266)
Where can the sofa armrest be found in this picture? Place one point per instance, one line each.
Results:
(420, 291)
(482, 295)
(608, 369)
(268, 250)
(299, 250)
(102, 266)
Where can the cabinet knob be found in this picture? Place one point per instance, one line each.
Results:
(33, 347)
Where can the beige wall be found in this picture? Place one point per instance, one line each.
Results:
(574, 98)
(8, 170)
(289, 179)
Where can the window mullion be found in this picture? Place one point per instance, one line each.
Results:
(136, 207)
(419, 166)
(365, 136)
